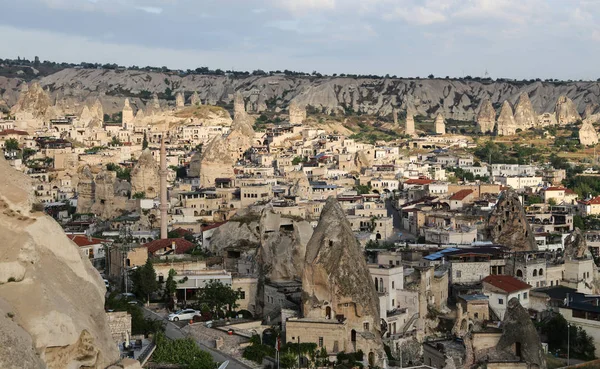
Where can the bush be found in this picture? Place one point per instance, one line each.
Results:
(182, 351)
(257, 352)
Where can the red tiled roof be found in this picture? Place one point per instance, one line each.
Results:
(461, 195)
(181, 245)
(82, 240)
(506, 283)
(556, 189)
(7, 132)
(419, 181)
(181, 232)
(212, 226)
(569, 192)
(594, 201)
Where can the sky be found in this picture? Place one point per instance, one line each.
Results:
(507, 38)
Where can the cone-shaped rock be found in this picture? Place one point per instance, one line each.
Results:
(127, 113)
(486, 119)
(336, 275)
(517, 328)
(525, 116)
(506, 120)
(297, 113)
(566, 111)
(587, 134)
(179, 100)
(409, 128)
(440, 124)
(195, 99)
(507, 224)
(145, 176)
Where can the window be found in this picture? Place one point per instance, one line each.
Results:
(535, 273)
(320, 341)
(393, 303)
(392, 284)
(476, 315)
(524, 295)
(458, 274)
(366, 326)
(242, 295)
(500, 301)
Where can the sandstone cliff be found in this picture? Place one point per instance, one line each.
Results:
(51, 299)
(507, 224)
(455, 99)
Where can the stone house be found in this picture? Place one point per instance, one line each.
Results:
(501, 288)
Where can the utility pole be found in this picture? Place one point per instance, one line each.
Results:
(568, 342)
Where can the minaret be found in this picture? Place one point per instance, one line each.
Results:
(163, 189)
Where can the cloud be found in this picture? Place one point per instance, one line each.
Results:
(419, 15)
(150, 9)
(302, 6)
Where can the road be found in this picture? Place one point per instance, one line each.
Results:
(173, 332)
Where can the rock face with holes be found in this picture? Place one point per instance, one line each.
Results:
(486, 118)
(336, 280)
(507, 224)
(576, 247)
(145, 177)
(51, 299)
(440, 124)
(297, 113)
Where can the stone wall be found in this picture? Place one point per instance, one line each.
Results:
(119, 323)
(469, 272)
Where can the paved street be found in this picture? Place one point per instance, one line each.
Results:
(172, 331)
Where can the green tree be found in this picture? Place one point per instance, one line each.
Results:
(534, 199)
(144, 281)
(578, 222)
(181, 351)
(219, 296)
(170, 284)
(552, 202)
(145, 142)
(11, 144)
(582, 345)
(297, 160)
(115, 141)
(139, 195)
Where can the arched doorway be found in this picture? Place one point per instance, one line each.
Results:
(328, 312)
(353, 335)
(381, 285)
(371, 358)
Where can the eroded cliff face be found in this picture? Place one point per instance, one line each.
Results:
(51, 298)
(459, 100)
(145, 176)
(507, 224)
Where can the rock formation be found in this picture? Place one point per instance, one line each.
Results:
(566, 111)
(153, 107)
(179, 100)
(86, 190)
(440, 124)
(395, 116)
(195, 99)
(506, 124)
(222, 153)
(576, 246)
(486, 119)
(127, 113)
(32, 108)
(409, 127)
(145, 177)
(51, 304)
(546, 119)
(336, 279)
(105, 186)
(300, 186)
(525, 116)
(507, 224)
(297, 113)
(517, 327)
(587, 134)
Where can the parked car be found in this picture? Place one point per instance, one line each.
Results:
(185, 314)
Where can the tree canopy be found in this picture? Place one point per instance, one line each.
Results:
(144, 281)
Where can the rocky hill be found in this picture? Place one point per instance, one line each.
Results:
(51, 299)
(454, 99)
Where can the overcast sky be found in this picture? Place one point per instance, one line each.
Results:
(508, 38)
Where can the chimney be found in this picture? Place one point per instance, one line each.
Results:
(163, 189)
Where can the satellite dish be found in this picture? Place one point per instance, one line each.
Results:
(224, 364)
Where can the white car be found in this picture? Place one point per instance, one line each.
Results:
(185, 314)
